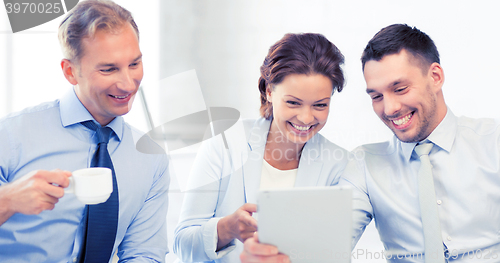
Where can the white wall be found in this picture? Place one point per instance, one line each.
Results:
(30, 70)
(225, 41)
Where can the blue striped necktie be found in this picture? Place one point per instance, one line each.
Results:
(102, 219)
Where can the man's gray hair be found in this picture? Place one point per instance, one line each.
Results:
(85, 19)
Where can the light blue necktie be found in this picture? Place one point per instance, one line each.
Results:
(102, 219)
(433, 242)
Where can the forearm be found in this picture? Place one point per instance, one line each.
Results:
(224, 236)
(196, 241)
(189, 244)
(5, 211)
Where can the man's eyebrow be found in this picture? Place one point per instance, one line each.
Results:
(394, 83)
(113, 64)
(105, 65)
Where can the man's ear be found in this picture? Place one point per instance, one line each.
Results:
(69, 71)
(436, 73)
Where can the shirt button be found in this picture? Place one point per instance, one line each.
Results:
(74, 260)
(439, 202)
(449, 238)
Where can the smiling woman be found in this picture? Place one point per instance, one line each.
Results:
(283, 150)
(300, 109)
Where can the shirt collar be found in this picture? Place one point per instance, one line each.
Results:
(443, 136)
(73, 112)
(258, 134)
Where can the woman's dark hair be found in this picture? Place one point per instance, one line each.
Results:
(307, 54)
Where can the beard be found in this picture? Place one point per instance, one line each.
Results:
(427, 117)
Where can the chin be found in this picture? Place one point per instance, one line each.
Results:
(300, 140)
(122, 111)
(407, 138)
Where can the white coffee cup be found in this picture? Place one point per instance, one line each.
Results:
(91, 185)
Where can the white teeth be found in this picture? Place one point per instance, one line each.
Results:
(301, 128)
(403, 120)
(119, 97)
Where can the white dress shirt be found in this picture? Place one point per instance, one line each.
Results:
(466, 171)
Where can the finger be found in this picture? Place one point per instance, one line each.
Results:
(58, 177)
(246, 235)
(45, 192)
(249, 207)
(246, 257)
(38, 203)
(53, 191)
(62, 177)
(49, 200)
(42, 207)
(249, 221)
(253, 247)
(245, 229)
(50, 206)
(44, 188)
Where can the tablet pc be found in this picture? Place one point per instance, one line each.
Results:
(309, 224)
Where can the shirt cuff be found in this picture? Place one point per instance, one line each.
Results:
(210, 239)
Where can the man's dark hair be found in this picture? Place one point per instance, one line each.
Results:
(394, 38)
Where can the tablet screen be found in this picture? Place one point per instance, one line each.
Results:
(309, 224)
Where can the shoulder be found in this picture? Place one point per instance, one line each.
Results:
(320, 148)
(371, 155)
(248, 130)
(478, 126)
(259, 122)
(380, 148)
(44, 115)
(237, 140)
(34, 112)
(378, 154)
(248, 124)
(136, 133)
(142, 145)
(241, 125)
(321, 142)
(258, 126)
(321, 156)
